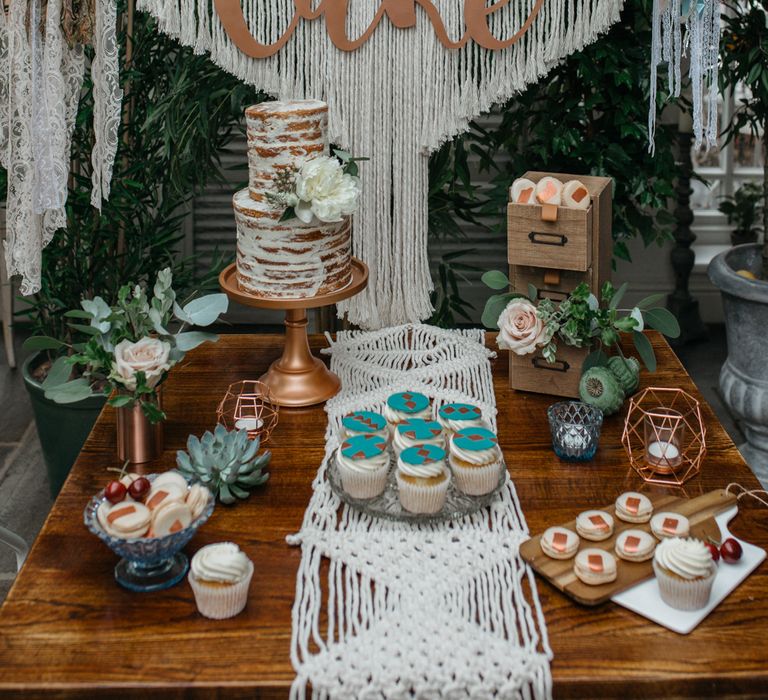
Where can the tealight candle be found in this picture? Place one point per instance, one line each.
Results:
(248, 424)
(663, 454)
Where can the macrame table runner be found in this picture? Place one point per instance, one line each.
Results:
(444, 610)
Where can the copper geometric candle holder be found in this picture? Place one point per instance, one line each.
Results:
(664, 436)
(249, 404)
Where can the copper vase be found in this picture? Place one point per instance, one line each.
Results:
(138, 440)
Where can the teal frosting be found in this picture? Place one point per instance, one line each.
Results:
(422, 454)
(420, 429)
(460, 411)
(363, 446)
(475, 439)
(408, 402)
(364, 422)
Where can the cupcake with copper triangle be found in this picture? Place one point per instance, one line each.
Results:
(422, 478)
(417, 431)
(363, 464)
(476, 460)
(406, 405)
(457, 416)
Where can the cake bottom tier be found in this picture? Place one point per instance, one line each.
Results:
(290, 259)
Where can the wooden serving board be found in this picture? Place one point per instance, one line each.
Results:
(700, 511)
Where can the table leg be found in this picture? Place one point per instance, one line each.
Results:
(298, 378)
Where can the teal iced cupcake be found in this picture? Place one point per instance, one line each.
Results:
(363, 463)
(417, 431)
(365, 423)
(405, 406)
(422, 478)
(476, 460)
(456, 416)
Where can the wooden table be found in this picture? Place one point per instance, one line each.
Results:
(68, 630)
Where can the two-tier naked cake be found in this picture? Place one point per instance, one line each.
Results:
(288, 259)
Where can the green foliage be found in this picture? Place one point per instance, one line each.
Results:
(179, 111)
(743, 211)
(112, 330)
(226, 462)
(744, 59)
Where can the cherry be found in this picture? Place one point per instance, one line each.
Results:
(115, 491)
(139, 488)
(714, 551)
(730, 551)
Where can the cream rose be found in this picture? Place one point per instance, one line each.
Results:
(148, 355)
(520, 328)
(325, 191)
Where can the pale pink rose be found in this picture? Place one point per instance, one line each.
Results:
(148, 355)
(520, 328)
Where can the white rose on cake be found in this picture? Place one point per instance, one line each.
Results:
(325, 191)
(521, 330)
(148, 355)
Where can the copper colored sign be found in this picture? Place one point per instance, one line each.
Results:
(559, 540)
(631, 544)
(598, 522)
(401, 13)
(595, 562)
(670, 525)
(633, 505)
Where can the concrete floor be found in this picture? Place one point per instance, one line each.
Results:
(24, 495)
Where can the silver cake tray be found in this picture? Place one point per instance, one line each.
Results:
(387, 505)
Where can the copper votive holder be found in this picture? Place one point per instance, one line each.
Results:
(249, 405)
(664, 436)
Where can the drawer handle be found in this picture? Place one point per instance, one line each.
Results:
(545, 238)
(556, 366)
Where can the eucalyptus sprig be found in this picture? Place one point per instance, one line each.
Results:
(134, 318)
(582, 320)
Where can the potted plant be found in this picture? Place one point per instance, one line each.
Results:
(741, 273)
(179, 112)
(743, 211)
(128, 354)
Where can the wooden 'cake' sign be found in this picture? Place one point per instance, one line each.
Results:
(700, 512)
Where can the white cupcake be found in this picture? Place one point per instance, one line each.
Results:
(685, 571)
(422, 478)
(363, 463)
(219, 576)
(457, 416)
(476, 460)
(417, 431)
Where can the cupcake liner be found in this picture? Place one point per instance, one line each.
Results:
(417, 498)
(363, 484)
(476, 481)
(219, 602)
(683, 594)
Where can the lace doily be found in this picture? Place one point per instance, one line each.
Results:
(440, 611)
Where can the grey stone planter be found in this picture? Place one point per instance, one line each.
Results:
(744, 376)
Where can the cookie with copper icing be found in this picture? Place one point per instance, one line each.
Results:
(633, 507)
(595, 566)
(667, 524)
(594, 525)
(559, 542)
(635, 545)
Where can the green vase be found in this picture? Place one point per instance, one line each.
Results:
(62, 428)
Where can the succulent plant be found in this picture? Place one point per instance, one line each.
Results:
(598, 387)
(627, 372)
(226, 462)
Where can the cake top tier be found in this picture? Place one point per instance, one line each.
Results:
(282, 136)
(288, 109)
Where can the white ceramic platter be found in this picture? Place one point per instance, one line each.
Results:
(645, 599)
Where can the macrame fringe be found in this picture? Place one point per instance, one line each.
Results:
(438, 610)
(701, 19)
(396, 99)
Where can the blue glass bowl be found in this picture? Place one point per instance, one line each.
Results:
(148, 563)
(575, 429)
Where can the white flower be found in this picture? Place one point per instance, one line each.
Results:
(638, 316)
(148, 355)
(520, 328)
(325, 191)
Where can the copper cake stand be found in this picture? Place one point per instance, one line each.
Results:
(297, 378)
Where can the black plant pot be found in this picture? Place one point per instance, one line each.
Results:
(62, 428)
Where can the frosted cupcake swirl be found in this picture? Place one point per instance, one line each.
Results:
(405, 405)
(222, 562)
(417, 431)
(475, 446)
(687, 558)
(423, 466)
(364, 464)
(456, 416)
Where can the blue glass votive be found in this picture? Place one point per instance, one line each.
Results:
(575, 428)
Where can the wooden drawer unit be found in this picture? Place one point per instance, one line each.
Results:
(551, 284)
(533, 373)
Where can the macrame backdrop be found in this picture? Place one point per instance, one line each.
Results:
(447, 610)
(395, 100)
(41, 78)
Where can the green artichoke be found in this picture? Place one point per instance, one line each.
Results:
(598, 387)
(226, 462)
(626, 371)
